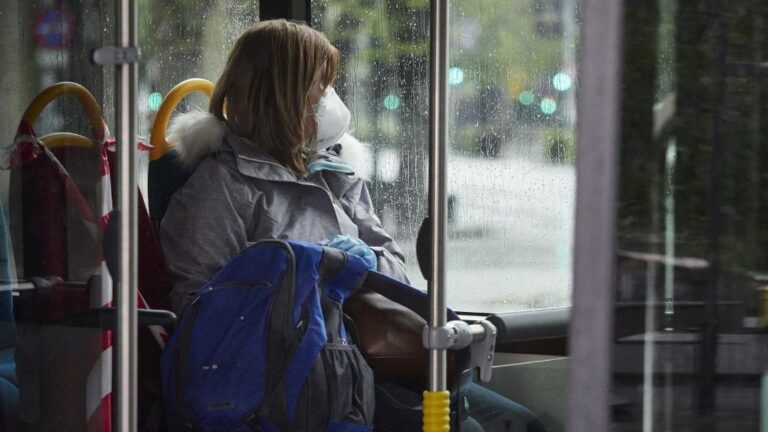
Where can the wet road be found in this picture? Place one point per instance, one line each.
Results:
(510, 244)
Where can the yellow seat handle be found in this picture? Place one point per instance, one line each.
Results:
(177, 93)
(65, 139)
(48, 95)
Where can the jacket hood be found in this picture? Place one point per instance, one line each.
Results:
(196, 134)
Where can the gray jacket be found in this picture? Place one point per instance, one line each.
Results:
(237, 196)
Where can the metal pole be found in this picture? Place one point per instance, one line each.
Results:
(438, 203)
(125, 283)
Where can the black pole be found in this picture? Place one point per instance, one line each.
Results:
(709, 336)
(294, 10)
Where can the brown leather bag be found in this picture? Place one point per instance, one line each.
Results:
(389, 337)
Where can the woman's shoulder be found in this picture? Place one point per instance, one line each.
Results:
(195, 135)
(199, 140)
(200, 146)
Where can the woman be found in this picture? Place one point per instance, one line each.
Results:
(271, 160)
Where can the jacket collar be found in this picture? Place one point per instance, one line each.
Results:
(196, 134)
(254, 163)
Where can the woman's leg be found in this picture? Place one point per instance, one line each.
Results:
(495, 413)
(470, 425)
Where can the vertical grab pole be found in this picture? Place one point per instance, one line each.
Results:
(126, 344)
(436, 400)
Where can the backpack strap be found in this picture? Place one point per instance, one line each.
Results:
(332, 262)
(280, 347)
(184, 421)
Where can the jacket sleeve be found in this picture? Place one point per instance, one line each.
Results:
(204, 227)
(391, 261)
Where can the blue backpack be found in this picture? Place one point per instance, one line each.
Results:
(263, 347)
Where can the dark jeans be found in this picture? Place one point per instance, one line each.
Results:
(484, 410)
(399, 410)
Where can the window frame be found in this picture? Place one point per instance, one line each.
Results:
(294, 10)
(598, 108)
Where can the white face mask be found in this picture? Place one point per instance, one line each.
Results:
(332, 119)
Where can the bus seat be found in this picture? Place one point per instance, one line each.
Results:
(9, 390)
(60, 330)
(9, 405)
(7, 322)
(166, 174)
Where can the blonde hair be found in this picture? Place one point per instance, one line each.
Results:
(263, 92)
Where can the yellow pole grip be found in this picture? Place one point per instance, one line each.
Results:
(82, 94)
(177, 93)
(437, 411)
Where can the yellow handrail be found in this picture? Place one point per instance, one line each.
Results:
(177, 93)
(92, 109)
(65, 139)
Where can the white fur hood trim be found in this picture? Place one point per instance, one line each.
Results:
(195, 134)
(358, 155)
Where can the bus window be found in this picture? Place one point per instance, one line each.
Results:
(51, 267)
(512, 82)
(383, 80)
(182, 40)
(690, 312)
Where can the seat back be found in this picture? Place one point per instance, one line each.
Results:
(166, 173)
(55, 227)
(61, 192)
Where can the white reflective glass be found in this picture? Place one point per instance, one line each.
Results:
(51, 261)
(511, 180)
(181, 40)
(383, 79)
(690, 296)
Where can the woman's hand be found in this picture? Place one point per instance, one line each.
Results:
(354, 246)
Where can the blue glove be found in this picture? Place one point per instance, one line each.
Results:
(354, 246)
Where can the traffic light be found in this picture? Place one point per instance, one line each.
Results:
(154, 100)
(392, 101)
(455, 75)
(525, 97)
(548, 106)
(562, 81)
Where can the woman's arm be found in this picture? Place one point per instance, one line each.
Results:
(391, 261)
(204, 227)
